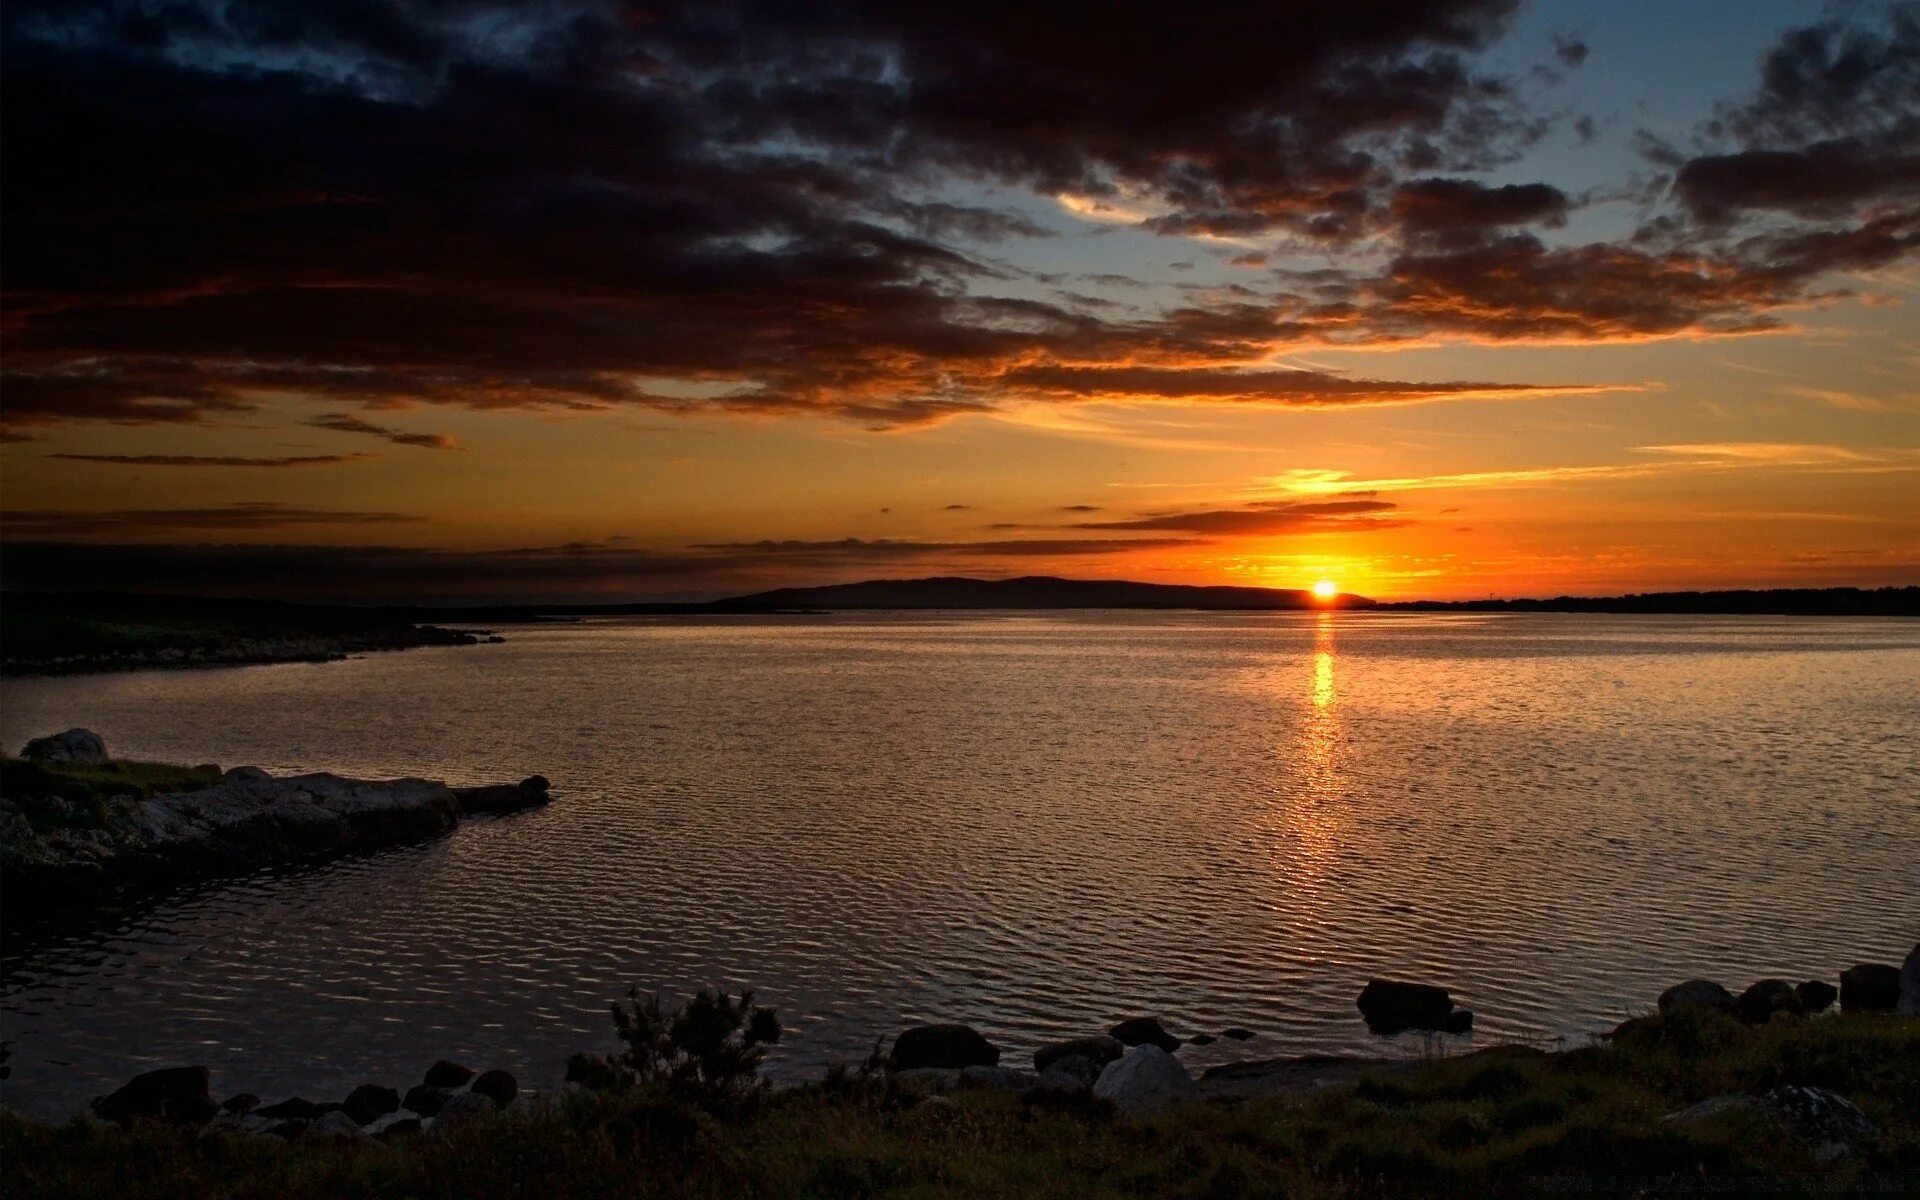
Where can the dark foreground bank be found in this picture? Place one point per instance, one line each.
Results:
(1692, 1103)
(68, 633)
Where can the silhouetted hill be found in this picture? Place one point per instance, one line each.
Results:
(1808, 602)
(1034, 591)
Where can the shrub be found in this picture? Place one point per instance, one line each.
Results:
(707, 1051)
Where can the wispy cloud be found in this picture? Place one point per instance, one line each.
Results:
(341, 422)
(214, 460)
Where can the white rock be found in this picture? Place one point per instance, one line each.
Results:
(335, 1126)
(1147, 1080)
(462, 1108)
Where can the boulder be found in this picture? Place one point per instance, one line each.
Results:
(247, 775)
(288, 1130)
(444, 1074)
(1390, 1006)
(294, 1109)
(1237, 1034)
(1697, 994)
(1099, 1050)
(1816, 995)
(427, 1101)
(503, 797)
(369, 1102)
(1144, 1031)
(1870, 987)
(170, 1094)
(335, 1127)
(594, 1072)
(1002, 1079)
(240, 1105)
(1074, 1073)
(1146, 1081)
(463, 1108)
(1828, 1124)
(1758, 1004)
(943, 1046)
(1909, 1004)
(398, 1127)
(75, 745)
(1459, 1021)
(497, 1086)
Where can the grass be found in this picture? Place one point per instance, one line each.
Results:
(60, 794)
(1507, 1122)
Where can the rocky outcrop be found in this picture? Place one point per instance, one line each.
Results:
(247, 820)
(75, 745)
(1760, 1002)
(1698, 994)
(947, 1047)
(1870, 988)
(1146, 1080)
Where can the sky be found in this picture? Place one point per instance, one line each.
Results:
(596, 300)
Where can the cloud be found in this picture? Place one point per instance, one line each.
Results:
(243, 516)
(886, 548)
(1783, 453)
(1570, 50)
(1267, 517)
(1450, 208)
(1285, 388)
(348, 423)
(212, 460)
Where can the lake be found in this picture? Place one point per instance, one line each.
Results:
(1035, 823)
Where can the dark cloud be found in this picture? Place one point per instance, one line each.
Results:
(348, 423)
(957, 507)
(1570, 50)
(1080, 508)
(1450, 207)
(1287, 388)
(1266, 517)
(213, 460)
(886, 548)
(245, 516)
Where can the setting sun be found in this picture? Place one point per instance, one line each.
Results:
(1326, 589)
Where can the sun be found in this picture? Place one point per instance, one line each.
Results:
(1326, 589)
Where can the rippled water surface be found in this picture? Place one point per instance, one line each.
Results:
(1033, 823)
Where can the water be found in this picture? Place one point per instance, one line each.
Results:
(1033, 823)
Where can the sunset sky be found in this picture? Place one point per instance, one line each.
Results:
(447, 300)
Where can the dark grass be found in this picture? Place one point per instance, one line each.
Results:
(75, 794)
(1508, 1122)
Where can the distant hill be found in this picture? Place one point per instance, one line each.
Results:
(1033, 591)
(1803, 602)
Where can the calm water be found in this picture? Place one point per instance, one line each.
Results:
(1033, 823)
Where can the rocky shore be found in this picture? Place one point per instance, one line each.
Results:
(75, 824)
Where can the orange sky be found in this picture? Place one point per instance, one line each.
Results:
(1595, 354)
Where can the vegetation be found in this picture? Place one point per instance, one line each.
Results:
(707, 1052)
(54, 795)
(1508, 1121)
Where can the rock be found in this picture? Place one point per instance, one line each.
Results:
(444, 1074)
(1758, 1004)
(369, 1102)
(1074, 1073)
(1003, 1079)
(247, 775)
(503, 797)
(335, 1127)
(1099, 1050)
(176, 1094)
(1460, 1021)
(1237, 1034)
(947, 1046)
(927, 1079)
(1829, 1124)
(1909, 1005)
(497, 1086)
(241, 1104)
(398, 1127)
(1636, 1027)
(463, 1108)
(427, 1101)
(1816, 995)
(1870, 987)
(1390, 1006)
(1147, 1080)
(287, 1129)
(1201, 1039)
(1144, 1031)
(75, 745)
(1696, 994)
(295, 1109)
(594, 1072)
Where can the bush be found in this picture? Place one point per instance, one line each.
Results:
(707, 1051)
